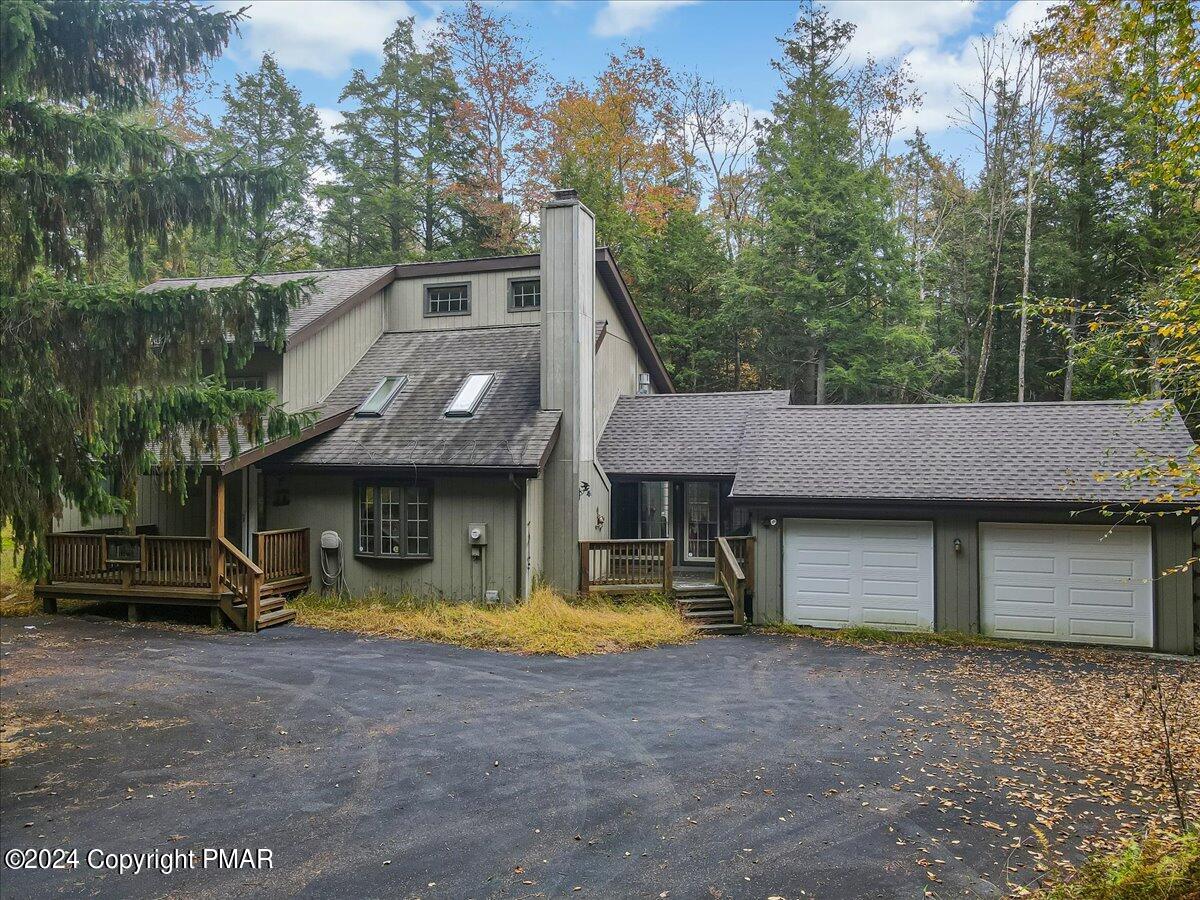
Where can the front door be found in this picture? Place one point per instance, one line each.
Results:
(701, 506)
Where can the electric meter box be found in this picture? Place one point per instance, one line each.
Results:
(477, 534)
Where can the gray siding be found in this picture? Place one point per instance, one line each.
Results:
(617, 362)
(532, 547)
(489, 302)
(314, 368)
(155, 507)
(320, 502)
(956, 575)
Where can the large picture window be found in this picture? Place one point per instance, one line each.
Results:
(394, 521)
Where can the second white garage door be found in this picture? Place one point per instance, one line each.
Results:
(1081, 583)
(840, 572)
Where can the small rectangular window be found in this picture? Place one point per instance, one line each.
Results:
(395, 520)
(366, 519)
(524, 294)
(247, 382)
(468, 398)
(390, 524)
(416, 522)
(377, 401)
(447, 299)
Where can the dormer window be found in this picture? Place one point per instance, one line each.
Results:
(524, 294)
(447, 300)
(377, 401)
(467, 400)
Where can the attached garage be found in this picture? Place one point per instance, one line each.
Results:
(841, 572)
(1078, 583)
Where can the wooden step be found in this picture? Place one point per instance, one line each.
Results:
(722, 628)
(726, 613)
(688, 591)
(270, 604)
(703, 603)
(275, 617)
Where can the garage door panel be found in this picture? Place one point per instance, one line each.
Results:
(849, 572)
(1073, 583)
(1101, 597)
(902, 589)
(1023, 593)
(1101, 568)
(1025, 626)
(1025, 564)
(880, 617)
(884, 559)
(1102, 630)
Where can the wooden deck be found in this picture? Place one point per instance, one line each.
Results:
(713, 598)
(208, 572)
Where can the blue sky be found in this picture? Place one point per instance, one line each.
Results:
(318, 42)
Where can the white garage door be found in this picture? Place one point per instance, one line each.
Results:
(839, 572)
(1067, 583)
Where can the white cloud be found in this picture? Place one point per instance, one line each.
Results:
(621, 17)
(884, 30)
(320, 36)
(329, 118)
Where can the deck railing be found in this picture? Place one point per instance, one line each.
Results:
(80, 557)
(282, 554)
(626, 564)
(175, 562)
(742, 549)
(732, 578)
(241, 577)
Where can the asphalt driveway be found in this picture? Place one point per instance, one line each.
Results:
(754, 766)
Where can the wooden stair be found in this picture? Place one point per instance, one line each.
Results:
(708, 607)
(271, 612)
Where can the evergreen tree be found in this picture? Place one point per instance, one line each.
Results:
(828, 283)
(97, 378)
(266, 125)
(398, 157)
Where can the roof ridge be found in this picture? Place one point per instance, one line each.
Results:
(707, 394)
(443, 331)
(1028, 404)
(280, 272)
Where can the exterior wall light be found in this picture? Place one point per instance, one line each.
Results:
(958, 545)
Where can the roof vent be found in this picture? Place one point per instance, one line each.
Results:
(565, 194)
(469, 396)
(643, 383)
(379, 399)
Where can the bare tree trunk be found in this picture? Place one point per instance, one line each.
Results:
(989, 330)
(1023, 345)
(1069, 377)
(819, 388)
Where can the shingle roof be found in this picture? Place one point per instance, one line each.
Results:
(972, 452)
(681, 434)
(508, 430)
(332, 287)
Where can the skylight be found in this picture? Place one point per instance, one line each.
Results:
(377, 401)
(466, 401)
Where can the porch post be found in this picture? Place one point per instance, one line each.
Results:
(216, 528)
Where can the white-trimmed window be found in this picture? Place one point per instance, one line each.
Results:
(393, 521)
(470, 395)
(381, 397)
(447, 299)
(524, 294)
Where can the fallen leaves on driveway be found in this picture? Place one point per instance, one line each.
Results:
(1086, 714)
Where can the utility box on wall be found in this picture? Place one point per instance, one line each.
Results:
(477, 535)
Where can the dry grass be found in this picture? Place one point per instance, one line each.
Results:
(1157, 867)
(16, 594)
(863, 635)
(545, 623)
